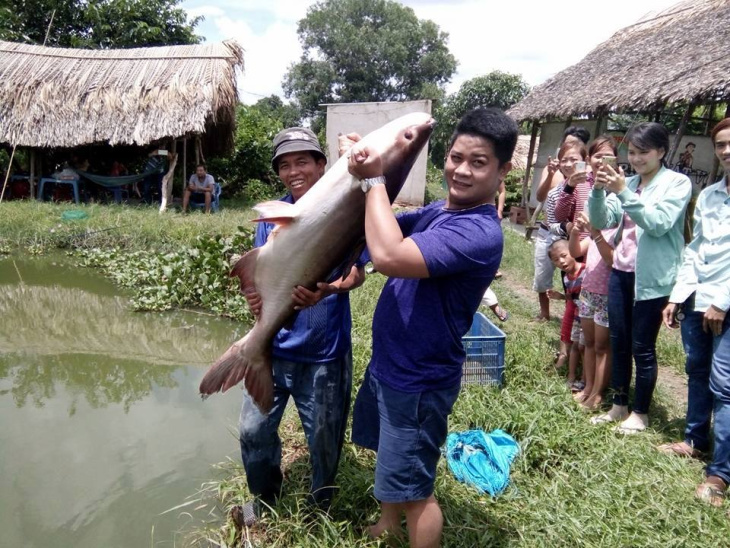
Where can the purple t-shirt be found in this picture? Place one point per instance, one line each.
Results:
(419, 323)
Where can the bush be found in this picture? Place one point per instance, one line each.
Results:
(513, 185)
(196, 276)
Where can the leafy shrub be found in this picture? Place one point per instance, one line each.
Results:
(195, 276)
(513, 186)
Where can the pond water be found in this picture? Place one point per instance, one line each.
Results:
(102, 429)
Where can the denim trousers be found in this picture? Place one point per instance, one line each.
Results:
(720, 387)
(321, 393)
(698, 349)
(634, 327)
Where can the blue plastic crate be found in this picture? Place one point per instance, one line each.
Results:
(484, 346)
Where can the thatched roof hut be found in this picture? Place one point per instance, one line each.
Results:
(676, 56)
(522, 150)
(55, 97)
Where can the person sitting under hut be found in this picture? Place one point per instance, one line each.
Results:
(200, 188)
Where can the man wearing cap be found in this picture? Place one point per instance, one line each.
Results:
(312, 358)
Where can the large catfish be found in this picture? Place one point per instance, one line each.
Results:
(321, 231)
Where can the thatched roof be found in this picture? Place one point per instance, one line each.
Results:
(678, 55)
(519, 158)
(56, 97)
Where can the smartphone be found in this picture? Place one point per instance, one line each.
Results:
(610, 161)
(580, 166)
(162, 152)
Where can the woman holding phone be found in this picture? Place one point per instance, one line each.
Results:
(572, 200)
(648, 210)
(552, 177)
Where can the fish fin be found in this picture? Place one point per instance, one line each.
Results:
(239, 363)
(354, 256)
(245, 270)
(275, 211)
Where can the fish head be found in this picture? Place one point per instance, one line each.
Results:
(399, 143)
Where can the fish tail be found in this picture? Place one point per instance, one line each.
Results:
(238, 363)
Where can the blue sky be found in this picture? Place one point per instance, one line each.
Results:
(533, 38)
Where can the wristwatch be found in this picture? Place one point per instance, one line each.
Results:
(367, 184)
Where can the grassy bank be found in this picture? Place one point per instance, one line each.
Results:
(574, 484)
(39, 226)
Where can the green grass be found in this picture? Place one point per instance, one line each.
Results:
(38, 226)
(574, 484)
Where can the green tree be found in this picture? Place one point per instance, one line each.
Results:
(496, 89)
(273, 107)
(367, 50)
(97, 23)
(251, 157)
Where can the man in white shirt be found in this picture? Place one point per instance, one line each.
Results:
(702, 296)
(200, 188)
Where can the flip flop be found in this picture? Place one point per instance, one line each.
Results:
(501, 313)
(629, 430)
(604, 419)
(710, 493)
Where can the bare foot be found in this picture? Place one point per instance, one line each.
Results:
(384, 528)
(581, 396)
(592, 402)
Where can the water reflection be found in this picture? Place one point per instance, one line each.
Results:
(102, 427)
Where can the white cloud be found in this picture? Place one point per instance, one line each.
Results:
(533, 38)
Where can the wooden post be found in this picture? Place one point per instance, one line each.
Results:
(599, 122)
(32, 173)
(185, 163)
(680, 132)
(196, 146)
(526, 187)
(167, 179)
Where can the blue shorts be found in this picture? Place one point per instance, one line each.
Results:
(407, 430)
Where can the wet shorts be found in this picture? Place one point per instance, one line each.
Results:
(407, 430)
(544, 268)
(576, 333)
(594, 306)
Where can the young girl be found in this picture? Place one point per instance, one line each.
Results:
(593, 308)
(570, 332)
(649, 212)
(594, 246)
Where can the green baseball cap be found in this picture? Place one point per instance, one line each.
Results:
(295, 139)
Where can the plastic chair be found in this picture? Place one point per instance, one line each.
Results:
(214, 199)
(64, 180)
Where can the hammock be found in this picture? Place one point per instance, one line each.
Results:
(113, 182)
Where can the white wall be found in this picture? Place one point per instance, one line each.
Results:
(363, 118)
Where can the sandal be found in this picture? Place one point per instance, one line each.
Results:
(576, 386)
(629, 430)
(681, 449)
(501, 313)
(710, 493)
(605, 419)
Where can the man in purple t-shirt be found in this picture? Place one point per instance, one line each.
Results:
(440, 260)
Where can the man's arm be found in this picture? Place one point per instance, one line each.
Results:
(391, 253)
